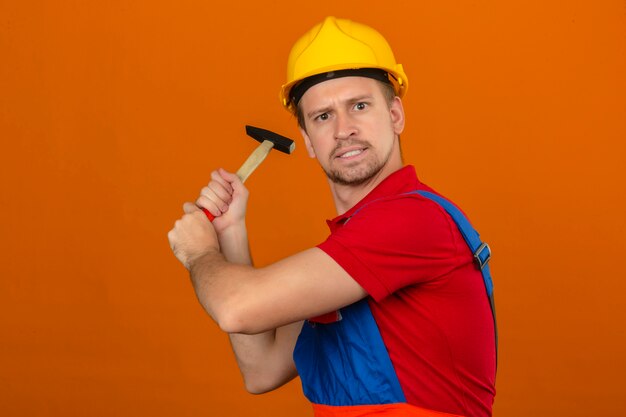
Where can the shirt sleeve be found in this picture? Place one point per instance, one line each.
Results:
(394, 243)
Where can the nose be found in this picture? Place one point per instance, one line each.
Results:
(344, 126)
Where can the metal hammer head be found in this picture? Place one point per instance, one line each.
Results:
(281, 143)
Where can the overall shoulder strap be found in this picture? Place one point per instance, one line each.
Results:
(481, 250)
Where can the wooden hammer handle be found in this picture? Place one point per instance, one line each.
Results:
(254, 160)
(248, 167)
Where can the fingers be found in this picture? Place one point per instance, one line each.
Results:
(224, 182)
(216, 196)
(234, 181)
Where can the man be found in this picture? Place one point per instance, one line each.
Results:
(388, 316)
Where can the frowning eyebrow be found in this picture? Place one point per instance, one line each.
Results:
(350, 101)
(358, 99)
(321, 110)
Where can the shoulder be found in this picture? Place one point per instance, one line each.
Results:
(394, 242)
(405, 224)
(400, 215)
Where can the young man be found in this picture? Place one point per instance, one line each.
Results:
(389, 315)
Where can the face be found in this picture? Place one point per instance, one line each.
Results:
(352, 129)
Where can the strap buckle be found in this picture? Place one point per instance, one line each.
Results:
(482, 256)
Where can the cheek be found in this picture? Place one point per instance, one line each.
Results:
(310, 147)
(317, 143)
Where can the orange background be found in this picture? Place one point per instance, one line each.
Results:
(112, 114)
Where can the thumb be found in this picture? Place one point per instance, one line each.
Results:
(231, 178)
(189, 208)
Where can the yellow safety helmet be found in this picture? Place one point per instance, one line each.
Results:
(336, 45)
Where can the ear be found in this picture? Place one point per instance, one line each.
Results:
(307, 143)
(396, 111)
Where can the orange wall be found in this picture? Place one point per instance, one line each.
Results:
(114, 113)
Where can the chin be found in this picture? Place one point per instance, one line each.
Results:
(354, 177)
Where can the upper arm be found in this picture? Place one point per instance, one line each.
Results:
(301, 286)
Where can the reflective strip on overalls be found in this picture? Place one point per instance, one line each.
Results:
(344, 365)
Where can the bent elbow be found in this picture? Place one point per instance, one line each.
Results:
(257, 384)
(237, 316)
(239, 311)
(229, 323)
(225, 312)
(256, 388)
(233, 319)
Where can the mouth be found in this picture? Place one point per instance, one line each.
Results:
(350, 152)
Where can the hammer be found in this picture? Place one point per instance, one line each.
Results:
(268, 141)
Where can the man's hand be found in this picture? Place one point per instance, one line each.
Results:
(193, 236)
(226, 198)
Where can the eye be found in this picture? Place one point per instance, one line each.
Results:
(323, 116)
(360, 106)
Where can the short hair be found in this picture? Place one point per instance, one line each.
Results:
(389, 93)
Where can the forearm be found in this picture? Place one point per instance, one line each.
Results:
(234, 244)
(217, 283)
(263, 361)
(216, 275)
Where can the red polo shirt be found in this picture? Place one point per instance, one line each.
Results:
(426, 295)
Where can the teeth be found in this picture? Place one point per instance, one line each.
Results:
(351, 153)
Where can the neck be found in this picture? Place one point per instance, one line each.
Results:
(346, 196)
